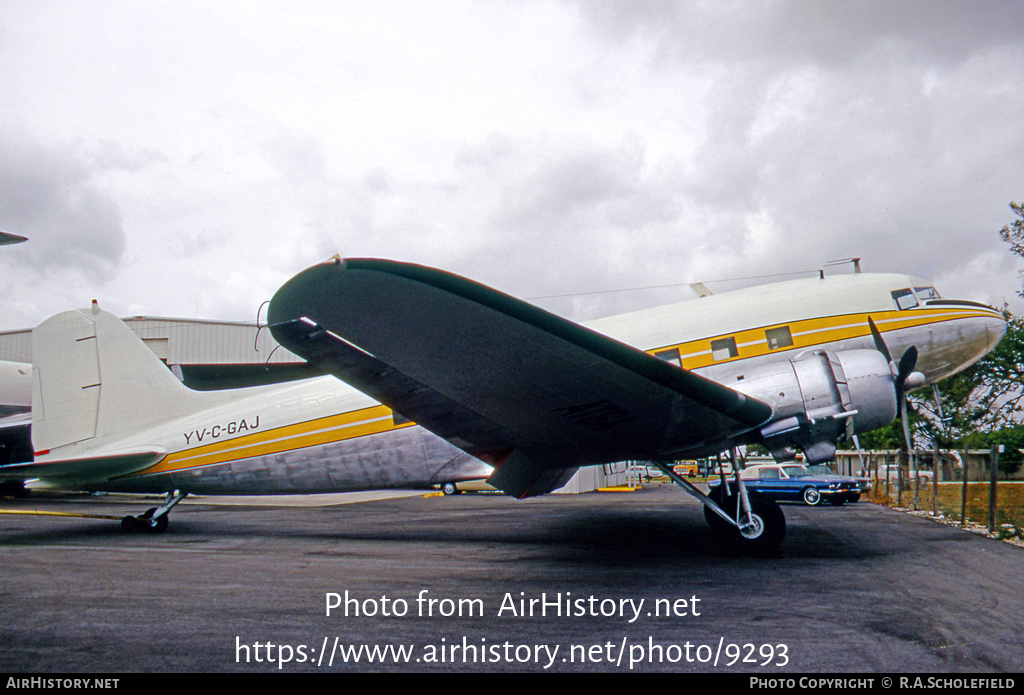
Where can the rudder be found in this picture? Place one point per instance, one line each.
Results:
(92, 377)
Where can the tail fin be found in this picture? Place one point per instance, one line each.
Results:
(93, 377)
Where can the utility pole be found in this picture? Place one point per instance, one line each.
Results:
(992, 488)
(963, 492)
(936, 466)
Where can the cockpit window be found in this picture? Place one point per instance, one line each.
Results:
(926, 293)
(904, 299)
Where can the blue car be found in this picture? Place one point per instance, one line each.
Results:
(794, 483)
(863, 481)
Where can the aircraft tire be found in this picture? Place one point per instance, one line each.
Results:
(158, 526)
(450, 489)
(772, 531)
(13, 488)
(144, 522)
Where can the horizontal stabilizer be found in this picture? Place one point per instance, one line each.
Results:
(17, 420)
(86, 469)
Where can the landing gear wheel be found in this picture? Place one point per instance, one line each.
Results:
(811, 496)
(145, 522)
(761, 537)
(158, 526)
(13, 488)
(450, 489)
(154, 519)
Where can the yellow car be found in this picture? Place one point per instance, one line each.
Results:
(686, 468)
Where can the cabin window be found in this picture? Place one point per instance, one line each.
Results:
(723, 349)
(770, 474)
(926, 293)
(778, 337)
(671, 355)
(904, 299)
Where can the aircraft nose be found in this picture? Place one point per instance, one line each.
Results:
(963, 338)
(986, 331)
(996, 330)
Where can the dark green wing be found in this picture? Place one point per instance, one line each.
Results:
(530, 392)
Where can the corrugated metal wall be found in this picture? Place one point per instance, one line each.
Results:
(181, 341)
(16, 346)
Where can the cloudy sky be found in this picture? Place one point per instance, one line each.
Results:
(186, 158)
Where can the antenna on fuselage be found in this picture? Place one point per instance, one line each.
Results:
(841, 261)
(701, 289)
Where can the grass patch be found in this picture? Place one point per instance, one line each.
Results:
(1009, 503)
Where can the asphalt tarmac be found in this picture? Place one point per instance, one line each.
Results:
(611, 582)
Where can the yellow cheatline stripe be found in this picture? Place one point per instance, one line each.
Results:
(816, 331)
(300, 435)
(34, 512)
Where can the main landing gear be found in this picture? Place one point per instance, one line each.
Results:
(743, 521)
(153, 520)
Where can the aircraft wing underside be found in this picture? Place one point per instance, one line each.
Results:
(532, 393)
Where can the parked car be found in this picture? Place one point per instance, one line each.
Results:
(821, 469)
(466, 486)
(794, 483)
(889, 471)
(723, 468)
(686, 468)
(653, 473)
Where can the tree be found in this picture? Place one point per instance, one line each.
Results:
(1013, 233)
(985, 397)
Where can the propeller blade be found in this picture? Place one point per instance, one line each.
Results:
(879, 343)
(907, 364)
(906, 425)
(860, 452)
(901, 372)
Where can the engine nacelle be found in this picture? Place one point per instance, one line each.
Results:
(820, 398)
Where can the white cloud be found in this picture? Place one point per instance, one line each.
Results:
(76, 227)
(205, 153)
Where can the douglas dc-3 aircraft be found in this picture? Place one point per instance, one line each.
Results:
(456, 381)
